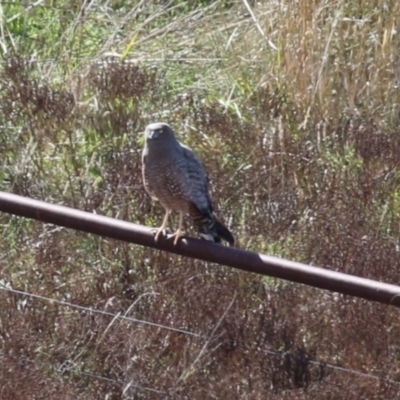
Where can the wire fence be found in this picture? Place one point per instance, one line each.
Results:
(117, 229)
(270, 352)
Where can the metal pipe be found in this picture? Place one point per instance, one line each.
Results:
(200, 249)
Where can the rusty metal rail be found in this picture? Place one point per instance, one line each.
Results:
(203, 250)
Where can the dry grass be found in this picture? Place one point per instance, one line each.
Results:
(302, 147)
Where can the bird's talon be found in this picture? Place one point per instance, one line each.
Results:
(159, 232)
(176, 236)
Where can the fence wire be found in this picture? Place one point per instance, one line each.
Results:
(271, 352)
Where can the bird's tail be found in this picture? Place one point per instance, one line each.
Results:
(223, 232)
(210, 227)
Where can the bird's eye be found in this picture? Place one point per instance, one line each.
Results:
(156, 133)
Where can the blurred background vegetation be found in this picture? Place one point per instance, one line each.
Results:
(293, 108)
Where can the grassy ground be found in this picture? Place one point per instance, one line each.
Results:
(295, 114)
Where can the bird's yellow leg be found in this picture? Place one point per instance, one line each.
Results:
(179, 233)
(161, 229)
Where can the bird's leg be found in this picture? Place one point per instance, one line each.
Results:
(179, 233)
(161, 229)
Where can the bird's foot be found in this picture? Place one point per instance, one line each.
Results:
(158, 232)
(177, 235)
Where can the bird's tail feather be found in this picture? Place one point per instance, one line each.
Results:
(223, 232)
(210, 227)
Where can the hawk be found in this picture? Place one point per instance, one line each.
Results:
(174, 176)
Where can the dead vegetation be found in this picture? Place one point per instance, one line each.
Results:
(302, 147)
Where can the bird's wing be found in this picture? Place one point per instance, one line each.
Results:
(197, 179)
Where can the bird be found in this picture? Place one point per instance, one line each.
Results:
(174, 176)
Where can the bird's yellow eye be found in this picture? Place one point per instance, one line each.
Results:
(161, 130)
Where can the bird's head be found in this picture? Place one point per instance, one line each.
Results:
(158, 132)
